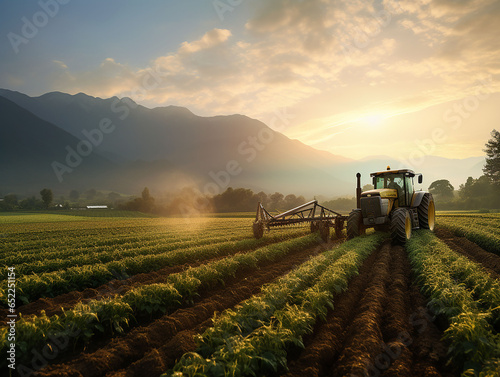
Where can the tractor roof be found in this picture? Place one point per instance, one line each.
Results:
(409, 172)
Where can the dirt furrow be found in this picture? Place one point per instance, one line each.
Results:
(155, 347)
(462, 245)
(379, 326)
(364, 335)
(327, 340)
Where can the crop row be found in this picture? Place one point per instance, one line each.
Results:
(112, 314)
(50, 284)
(484, 234)
(466, 295)
(64, 239)
(252, 339)
(44, 261)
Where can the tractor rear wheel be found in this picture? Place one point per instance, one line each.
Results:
(258, 230)
(426, 212)
(401, 226)
(355, 225)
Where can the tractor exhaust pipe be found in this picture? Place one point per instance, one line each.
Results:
(358, 190)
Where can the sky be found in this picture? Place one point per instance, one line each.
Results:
(357, 78)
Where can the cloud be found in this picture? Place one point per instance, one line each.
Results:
(210, 40)
(311, 22)
(293, 50)
(106, 80)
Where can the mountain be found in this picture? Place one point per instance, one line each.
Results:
(209, 152)
(32, 152)
(167, 148)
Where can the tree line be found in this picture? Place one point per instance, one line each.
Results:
(190, 201)
(480, 193)
(483, 192)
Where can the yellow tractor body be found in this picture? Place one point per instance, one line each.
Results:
(393, 205)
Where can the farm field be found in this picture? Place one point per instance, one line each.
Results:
(135, 296)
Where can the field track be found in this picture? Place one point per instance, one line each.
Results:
(378, 327)
(151, 349)
(490, 261)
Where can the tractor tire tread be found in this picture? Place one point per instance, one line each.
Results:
(398, 226)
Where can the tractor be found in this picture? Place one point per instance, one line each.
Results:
(392, 206)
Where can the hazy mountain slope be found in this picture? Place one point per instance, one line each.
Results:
(169, 147)
(29, 146)
(200, 147)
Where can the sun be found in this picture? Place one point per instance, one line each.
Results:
(373, 120)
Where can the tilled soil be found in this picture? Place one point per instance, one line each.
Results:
(490, 261)
(150, 350)
(378, 327)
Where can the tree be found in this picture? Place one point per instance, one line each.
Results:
(442, 188)
(276, 201)
(482, 187)
(147, 201)
(466, 190)
(90, 194)
(492, 167)
(262, 198)
(74, 195)
(113, 196)
(47, 197)
(31, 203)
(9, 203)
(476, 188)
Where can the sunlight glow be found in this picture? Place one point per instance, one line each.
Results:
(373, 120)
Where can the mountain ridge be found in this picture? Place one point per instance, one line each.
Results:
(245, 151)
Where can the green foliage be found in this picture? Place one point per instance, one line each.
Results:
(492, 167)
(112, 315)
(484, 230)
(252, 339)
(47, 197)
(465, 294)
(342, 204)
(442, 189)
(62, 271)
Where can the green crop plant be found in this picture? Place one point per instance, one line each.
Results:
(462, 291)
(253, 339)
(31, 287)
(111, 315)
(484, 231)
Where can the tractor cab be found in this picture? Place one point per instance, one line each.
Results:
(393, 205)
(394, 185)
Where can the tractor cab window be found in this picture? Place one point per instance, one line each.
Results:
(409, 189)
(390, 181)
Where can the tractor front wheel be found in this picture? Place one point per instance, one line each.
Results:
(355, 225)
(401, 226)
(426, 212)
